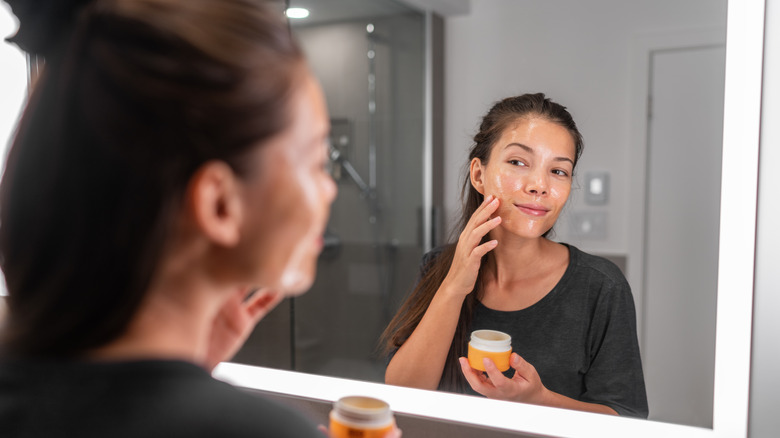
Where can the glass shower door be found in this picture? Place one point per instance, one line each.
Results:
(370, 60)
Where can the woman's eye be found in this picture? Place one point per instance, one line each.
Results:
(560, 172)
(516, 163)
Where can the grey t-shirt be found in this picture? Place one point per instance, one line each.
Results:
(581, 337)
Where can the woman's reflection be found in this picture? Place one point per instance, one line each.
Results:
(570, 314)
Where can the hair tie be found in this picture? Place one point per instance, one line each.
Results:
(44, 25)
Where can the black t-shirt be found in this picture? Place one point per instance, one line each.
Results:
(154, 398)
(581, 337)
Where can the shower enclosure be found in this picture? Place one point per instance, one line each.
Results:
(370, 57)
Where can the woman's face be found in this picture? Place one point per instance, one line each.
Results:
(530, 171)
(288, 199)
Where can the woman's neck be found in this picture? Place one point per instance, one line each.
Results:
(521, 272)
(513, 252)
(164, 327)
(174, 320)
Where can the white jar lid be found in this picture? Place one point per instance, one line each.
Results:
(491, 340)
(360, 411)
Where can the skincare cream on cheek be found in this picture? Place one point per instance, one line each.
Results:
(360, 417)
(491, 344)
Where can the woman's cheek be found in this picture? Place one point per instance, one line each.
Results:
(560, 193)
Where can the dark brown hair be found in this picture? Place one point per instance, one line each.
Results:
(500, 116)
(136, 95)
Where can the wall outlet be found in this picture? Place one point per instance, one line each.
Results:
(589, 224)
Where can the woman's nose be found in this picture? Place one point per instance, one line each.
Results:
(537, 184)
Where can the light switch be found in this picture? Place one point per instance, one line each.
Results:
(596, 188)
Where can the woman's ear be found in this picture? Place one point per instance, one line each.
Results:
(476, 174)
(215, 203)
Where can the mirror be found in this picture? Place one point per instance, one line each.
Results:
(727, 408)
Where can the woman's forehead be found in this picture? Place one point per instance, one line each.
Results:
(532, 133)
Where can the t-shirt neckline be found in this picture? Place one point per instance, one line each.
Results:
(550, 296)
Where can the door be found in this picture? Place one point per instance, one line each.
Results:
(681, 235)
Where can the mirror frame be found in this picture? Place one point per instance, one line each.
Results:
(739, 190)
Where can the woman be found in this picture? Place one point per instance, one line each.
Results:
(165, 189)
(570, 314)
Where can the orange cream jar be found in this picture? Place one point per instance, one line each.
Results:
(492, 344)
(360, 417)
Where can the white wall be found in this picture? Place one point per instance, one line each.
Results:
(13, 79)
(578, 55)
(13, 88)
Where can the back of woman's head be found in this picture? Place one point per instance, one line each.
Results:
(136, 95)
(501, 115)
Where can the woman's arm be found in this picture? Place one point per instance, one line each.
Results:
(420, 361)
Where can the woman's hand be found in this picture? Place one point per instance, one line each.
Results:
(235, 322)
(469, 252)
(525, 386)
(420, 361)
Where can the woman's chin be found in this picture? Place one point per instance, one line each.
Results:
(296, 282)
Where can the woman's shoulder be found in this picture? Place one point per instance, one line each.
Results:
(225, 410)
(166, 397)
(595, 262)
(600, 281)
(435, 252)
(429, 257)
(586, 264)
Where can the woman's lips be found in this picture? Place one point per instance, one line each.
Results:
(533, 209)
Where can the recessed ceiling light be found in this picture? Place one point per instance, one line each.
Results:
(297, 12)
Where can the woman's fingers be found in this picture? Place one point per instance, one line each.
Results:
(475, 378)
(480, 224)
(483, 212)
(498, 379)
(521, 366)
(485, 248)
(481, 231)
(470, 248)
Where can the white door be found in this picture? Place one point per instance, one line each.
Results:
(681, 236)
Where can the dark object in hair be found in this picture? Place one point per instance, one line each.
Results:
(45, 24)
(499, 117)
(134, 101)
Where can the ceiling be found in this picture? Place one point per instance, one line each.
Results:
(344, 10)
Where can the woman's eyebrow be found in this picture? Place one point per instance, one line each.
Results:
(530, 150)
(520, 145)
